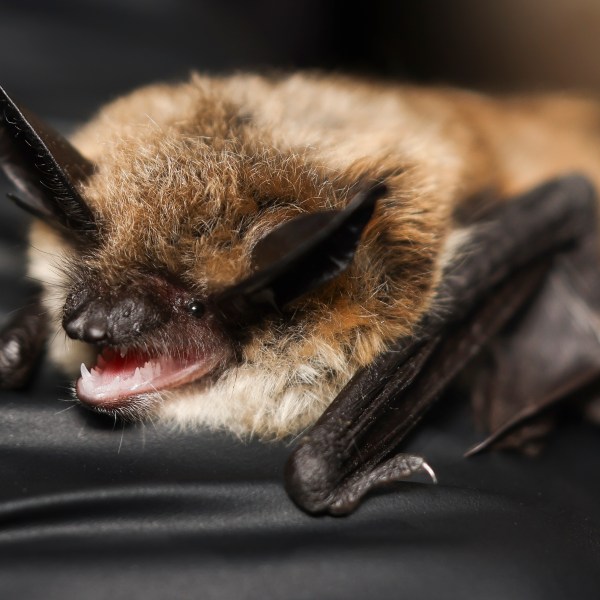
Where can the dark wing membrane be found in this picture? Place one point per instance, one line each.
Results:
(550, 354)
(45, 167)
(509, 259)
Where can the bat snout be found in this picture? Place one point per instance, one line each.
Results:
(112, 320)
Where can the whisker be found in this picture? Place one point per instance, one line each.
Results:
(47, 252)
(58, 330)
(121, 440)
(66, 409)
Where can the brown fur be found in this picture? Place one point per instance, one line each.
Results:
(191, 176)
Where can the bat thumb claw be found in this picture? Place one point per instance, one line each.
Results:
(427, 469)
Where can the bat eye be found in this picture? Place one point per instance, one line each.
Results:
(195, 308)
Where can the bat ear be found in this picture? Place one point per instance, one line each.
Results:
(46, 168)
(298, 257)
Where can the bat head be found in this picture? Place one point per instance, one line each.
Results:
(184, 255)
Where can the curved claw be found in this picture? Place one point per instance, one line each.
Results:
(425, 467)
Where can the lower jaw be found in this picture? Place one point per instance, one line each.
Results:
(133, 408)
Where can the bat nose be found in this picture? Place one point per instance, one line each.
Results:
(89, 324)
(112, 319)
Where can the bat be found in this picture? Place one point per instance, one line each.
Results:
(315, 255)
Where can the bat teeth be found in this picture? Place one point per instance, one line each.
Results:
(84, 372)
(151, 368)
(114, 381)
(87, 377)
(143, 375)
(139, 377)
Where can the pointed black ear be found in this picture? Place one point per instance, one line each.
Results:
(45, 167)
(298, 257)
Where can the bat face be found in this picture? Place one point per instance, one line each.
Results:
(188, 290)
(149, 334)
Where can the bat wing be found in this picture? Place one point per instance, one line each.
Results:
(526, 283)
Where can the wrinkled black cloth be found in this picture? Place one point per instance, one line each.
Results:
(90, 508)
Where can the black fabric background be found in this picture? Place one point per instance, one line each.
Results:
(93, 509)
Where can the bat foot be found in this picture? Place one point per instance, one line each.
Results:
(21, 343)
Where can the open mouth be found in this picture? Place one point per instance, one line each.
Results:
(121, 375)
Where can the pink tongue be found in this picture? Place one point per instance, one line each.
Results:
(116, 377)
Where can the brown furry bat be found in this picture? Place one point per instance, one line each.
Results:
(179, 185)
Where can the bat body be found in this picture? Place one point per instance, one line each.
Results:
(170, 257)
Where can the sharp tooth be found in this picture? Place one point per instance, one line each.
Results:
(84, 372)
(146, 373)
(136, 379)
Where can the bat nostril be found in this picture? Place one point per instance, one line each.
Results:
(88, 326)
(73, 327)
(96, 332)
